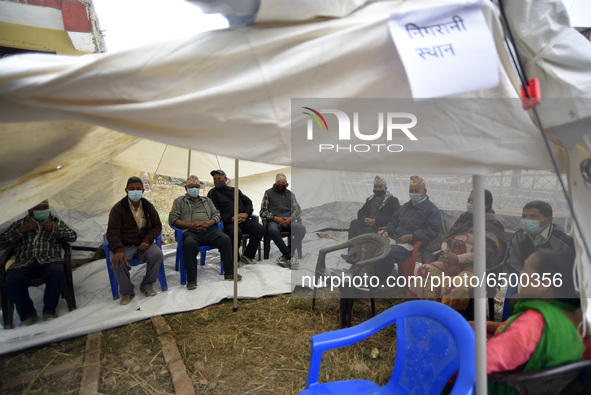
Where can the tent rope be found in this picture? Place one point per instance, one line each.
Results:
(521, 72)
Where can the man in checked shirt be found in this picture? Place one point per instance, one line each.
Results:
(38, 238)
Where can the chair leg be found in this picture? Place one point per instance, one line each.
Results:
(7, 312)
(68, 295)
(491, 309)
(162, 277)
(113, 281)
(346, 306)
(266, 246)
(179, 257)
(183, 273)
(68, 291)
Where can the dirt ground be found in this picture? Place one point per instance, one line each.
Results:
(263, 348)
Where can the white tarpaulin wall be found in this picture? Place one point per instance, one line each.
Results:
(229, 92)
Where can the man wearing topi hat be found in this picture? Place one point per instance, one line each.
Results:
(375, 213)
(282, 212)
(197, 216)
(419, 219)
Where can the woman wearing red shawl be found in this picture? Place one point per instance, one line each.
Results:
(457, 259)
(542, 332)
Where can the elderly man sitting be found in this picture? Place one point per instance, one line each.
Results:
(417, 220)
(197, 217)
(38, 237)
(375, 213)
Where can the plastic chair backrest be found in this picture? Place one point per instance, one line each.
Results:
(433, 342)
(407, 266)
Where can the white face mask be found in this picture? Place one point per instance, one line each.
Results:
(134, 196)
(193, 192)
(415, 197)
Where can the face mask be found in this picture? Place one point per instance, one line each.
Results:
(379, 192)
(219, 183)
(280, 187)
(193, 192)
(531, 226)
(134, 196)
(469, 209)
(41, 215)
(415, 197)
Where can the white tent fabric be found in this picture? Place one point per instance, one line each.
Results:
(229, 92)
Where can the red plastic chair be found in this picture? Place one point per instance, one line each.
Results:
(406, 268)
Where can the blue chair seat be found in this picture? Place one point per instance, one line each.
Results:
(135, 262)
(179, 265)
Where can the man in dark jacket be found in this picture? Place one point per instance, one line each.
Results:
(375, 213)
(223, 199)
(133, 226)
(417, 220)
(537, 232)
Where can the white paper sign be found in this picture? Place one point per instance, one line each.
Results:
(446, 50)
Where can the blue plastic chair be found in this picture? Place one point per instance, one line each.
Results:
(433, 342)
(179, 265)
(135, 262)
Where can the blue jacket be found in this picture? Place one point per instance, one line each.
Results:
(422, 220)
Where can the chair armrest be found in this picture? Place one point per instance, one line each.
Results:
(340, 338)
(179, 236)
(367, 237)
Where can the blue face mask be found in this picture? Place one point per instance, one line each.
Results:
(469, 209)
(41, 215)
(193, 192)
(531, 226)
(134, 196)
(415, 197)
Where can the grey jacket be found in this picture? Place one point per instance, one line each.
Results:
(181, 209)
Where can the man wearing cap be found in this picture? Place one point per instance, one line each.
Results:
(133, 227)
(37, 239)
(375, 213)
(223, 199)
(197, 216)
(282, 212)
(417, 220)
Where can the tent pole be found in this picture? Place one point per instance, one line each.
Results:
(479, 292)
(189, 164)
(235, 304)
